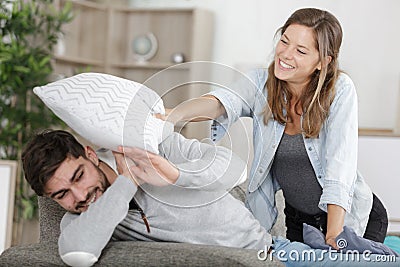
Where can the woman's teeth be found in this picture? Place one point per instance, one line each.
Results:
(286, 66)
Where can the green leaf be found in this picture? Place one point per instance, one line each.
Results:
(22, 69)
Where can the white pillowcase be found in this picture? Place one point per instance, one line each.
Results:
(107, 110)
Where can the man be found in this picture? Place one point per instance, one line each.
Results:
(97, 198)
(103, 205)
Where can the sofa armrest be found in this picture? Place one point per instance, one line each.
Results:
(38, 254)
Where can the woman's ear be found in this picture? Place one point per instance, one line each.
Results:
(91, 155)
(327, 60)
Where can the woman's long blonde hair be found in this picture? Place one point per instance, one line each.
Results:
(319, 93)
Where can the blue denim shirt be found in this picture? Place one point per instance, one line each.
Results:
(333, 154)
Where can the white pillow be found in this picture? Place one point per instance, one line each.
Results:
(107, 110)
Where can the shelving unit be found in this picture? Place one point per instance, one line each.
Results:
(100, 40)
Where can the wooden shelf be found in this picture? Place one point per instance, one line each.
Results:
(377, 132)
(78, 61)
(151, 9)
(148, 65)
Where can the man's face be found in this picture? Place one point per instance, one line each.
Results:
(77, 183)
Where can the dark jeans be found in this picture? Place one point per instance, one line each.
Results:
(376, 227)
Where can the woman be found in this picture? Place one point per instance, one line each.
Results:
(305, 136)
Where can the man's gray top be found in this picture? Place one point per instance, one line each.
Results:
(197, 209)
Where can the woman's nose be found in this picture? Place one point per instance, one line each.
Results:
(288, 53)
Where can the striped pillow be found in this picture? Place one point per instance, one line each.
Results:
(107, 110)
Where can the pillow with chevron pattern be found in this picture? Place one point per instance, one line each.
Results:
(107, 110)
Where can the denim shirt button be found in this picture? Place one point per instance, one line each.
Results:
(310, 148)
(260, 170)
(319, 176)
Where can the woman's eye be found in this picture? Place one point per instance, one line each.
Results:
(301, 52)
(283, 41)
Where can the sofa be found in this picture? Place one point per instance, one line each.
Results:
(134, 253)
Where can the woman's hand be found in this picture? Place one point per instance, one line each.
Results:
(202, 108)
(148, 167)
(163, 116)
(331, 241)
(168, 116)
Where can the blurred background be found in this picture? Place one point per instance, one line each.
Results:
(151, 41)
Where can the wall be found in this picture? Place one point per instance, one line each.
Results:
(244, 31)
(378, 159)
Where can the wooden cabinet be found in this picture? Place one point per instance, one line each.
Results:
(100, 39)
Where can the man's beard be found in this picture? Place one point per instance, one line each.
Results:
(104, 184)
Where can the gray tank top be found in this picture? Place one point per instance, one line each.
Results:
(293, 170)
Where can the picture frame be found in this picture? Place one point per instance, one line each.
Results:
(8, 173)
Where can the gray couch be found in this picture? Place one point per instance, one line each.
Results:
(129, 253)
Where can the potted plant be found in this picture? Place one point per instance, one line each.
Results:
(29, 30)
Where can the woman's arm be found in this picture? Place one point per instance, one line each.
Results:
(340, 157)
(335, 224)
(202, 108)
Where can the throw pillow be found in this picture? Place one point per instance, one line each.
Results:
(107, 110)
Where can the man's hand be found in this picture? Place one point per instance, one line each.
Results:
(147, 167)
(123, 166)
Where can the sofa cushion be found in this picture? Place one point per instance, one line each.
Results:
(135, 253)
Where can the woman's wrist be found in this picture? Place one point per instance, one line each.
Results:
(173, 116)
(335, 224)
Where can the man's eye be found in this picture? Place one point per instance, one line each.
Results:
(79, 177)
(62, 195)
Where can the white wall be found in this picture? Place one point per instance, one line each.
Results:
(244, 31)
(378, 159)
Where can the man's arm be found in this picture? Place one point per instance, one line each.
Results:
(188, 164)
(84, 236)
(205, 166)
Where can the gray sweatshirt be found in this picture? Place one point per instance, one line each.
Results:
(197, 209)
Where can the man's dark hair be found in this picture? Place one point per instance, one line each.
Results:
(44, 153)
